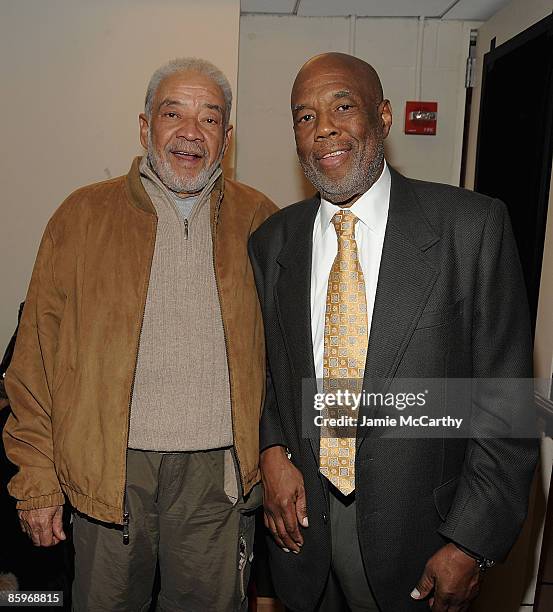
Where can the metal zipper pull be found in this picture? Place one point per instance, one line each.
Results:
(186, 229)
(243, 557)
(126, 538)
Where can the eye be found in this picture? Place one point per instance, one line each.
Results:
(344, 107)
(304, 118)
(170, 115)
(211, 120)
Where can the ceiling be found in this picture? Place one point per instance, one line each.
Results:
(478, 10)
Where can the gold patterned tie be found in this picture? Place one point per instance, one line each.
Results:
(345, 350)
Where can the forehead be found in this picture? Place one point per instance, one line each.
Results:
(322, 85)
(186, 84)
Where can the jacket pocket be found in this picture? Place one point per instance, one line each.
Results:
(443, 496)
(439, 317)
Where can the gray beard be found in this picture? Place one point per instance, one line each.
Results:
(360, 180)
(171, 179)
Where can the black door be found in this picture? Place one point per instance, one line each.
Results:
(514, 152)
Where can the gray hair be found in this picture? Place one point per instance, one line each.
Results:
(189, 64)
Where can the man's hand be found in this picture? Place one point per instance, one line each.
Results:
(284, 500)
(43, 525)
(454, 578)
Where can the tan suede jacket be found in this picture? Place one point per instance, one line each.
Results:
(70, 382)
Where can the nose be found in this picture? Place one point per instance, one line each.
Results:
(325, 126)
(189, 129)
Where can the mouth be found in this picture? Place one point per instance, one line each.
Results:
(187, 159)
(334, 154)
(334, 158)
(187, 154)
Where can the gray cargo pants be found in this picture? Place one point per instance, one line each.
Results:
(179, 517)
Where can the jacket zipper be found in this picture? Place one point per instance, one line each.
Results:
(126, 538)
(186, 229)
(126, 514)
(214, 238)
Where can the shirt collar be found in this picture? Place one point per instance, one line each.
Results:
(371, 208)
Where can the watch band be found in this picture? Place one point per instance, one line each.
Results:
(482, 563)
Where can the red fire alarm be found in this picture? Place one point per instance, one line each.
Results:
(421, 118)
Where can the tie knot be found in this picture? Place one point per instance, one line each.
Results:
(344, 223)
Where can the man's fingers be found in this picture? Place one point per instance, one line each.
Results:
(283, 488)
(272, 528)
(57, 526)
(445, 604)
(291, 524)
(26, 529)
(284, 535)
(446, 601)
(45, 534)
(301, 508)
(270, 524)
(43, 525)
(441, 605)
(46, 539)
(424, 586)
(35, 536)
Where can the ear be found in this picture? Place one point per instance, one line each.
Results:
(144, 126)
(385, 111)
(228, 132)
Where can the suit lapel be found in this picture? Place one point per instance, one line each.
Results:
(405, 281)
(293, 303)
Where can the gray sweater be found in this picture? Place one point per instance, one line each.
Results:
(181, 396)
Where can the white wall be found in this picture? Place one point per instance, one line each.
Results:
(272, 49)
(518, 576)
(74, 74)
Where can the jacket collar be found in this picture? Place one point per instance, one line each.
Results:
(406, 215)
(298, 248)
(135, 189)
(405, 281)
(140, 199)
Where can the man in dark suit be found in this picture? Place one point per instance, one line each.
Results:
(377, 280)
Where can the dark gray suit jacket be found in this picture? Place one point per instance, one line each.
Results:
(450, 303)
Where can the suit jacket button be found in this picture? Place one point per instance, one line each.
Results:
(325, 518)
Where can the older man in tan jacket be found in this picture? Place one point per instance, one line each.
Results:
(138, 375)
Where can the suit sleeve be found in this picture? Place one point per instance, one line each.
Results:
(491, 500)
(270, 429)
(29, 383)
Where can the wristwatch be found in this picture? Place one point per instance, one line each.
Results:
(484, 564)
(481, 562)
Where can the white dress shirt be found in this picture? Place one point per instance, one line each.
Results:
(372, 211)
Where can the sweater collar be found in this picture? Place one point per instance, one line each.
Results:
(139, 197)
